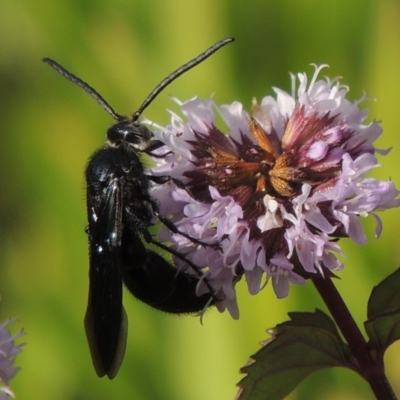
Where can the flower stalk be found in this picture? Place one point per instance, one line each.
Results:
(371, 370)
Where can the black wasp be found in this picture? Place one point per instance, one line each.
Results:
(120, 210)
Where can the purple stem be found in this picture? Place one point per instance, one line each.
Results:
(371, 370)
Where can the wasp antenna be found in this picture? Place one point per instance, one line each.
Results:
(83, 85)
(181, 70)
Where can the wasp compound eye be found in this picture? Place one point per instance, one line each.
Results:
(130, 133)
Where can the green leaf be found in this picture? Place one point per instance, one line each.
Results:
(385, 297)
(309, 342)
(383, 331)
(383, 324)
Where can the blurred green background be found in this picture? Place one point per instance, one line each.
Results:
(49, 128)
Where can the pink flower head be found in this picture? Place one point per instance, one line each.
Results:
(8, 351)
(276, 191)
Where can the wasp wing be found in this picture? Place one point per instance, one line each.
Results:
(106, 323)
